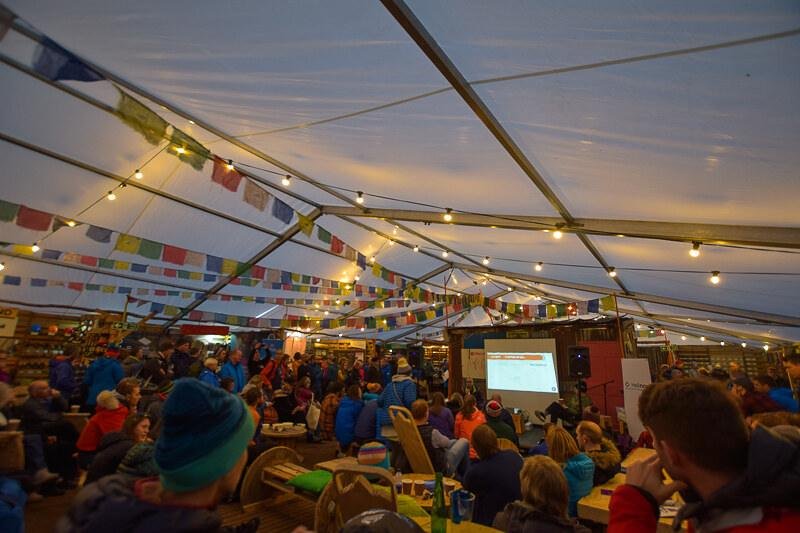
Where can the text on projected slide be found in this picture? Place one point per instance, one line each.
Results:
(521, 371)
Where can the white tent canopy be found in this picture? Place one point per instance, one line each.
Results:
(630, 116)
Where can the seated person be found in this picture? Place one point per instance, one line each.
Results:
(109, 417)
(364, 430)
(495, 479)
(505, 416)
(129, 393)
(601, 451)
(401, 390)
(286, 405)
(733, 479)
(545, 498)
(750, 401)
(455, 403)
(449, 456)
(577, 466)
(558, 411)
(115, 445)
(493, 413)
(541, 446)
(440, 416)
(347, 416)
(373, 392)
(328, 409)
(467, 419)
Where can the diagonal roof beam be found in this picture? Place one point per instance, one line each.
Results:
(760, 316)
(771, 236)
(242, 267)
(690, 328)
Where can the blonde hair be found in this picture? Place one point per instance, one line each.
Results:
(544, 486)
(560, 445)
(591, 430)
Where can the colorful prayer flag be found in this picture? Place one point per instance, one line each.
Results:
(174, 255)
(128, 243)
(188, 150)
(139, 117)
(33, 219)
(323, 235)
(150, 249)
(195, 259)
(213, 263)
(56, 63)
(98, 234)
(306, 224)
(8, 211)
(337, 245)
(255, 195)
(227, 177)
(282, 211)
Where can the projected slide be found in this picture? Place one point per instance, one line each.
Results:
(521, 371)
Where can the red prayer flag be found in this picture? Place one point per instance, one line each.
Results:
(337, 246)
(258, 272)
(75, 286)
(170, 273)
(88, 260)
(160, 292)
(195, 315)
(226, 177)
(33, 219)
(173, 254)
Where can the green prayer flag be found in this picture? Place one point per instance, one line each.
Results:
(139, 117)
(106, 263)
(150, 249)
(8, 211)
(323, 235)
(188, 150)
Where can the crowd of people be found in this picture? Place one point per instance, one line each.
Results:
(171, 433)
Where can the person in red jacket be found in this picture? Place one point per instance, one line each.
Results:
(732, 480)
(110, 416)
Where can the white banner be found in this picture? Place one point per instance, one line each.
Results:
(473, 363)
(636, 376)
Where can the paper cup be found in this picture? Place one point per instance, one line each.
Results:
(419, 487)
(13, 424)
(407, 486)
(74, 408)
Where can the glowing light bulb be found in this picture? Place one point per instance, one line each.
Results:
(612, 272)
(2, 266)
(360, 198)
(702, 339)
(445, 253)
(362, 329)
(683, 337)
(483, 282)
(744, 345)
(486, 260)
(416, 248)
(287, 180)
(391, 242)
(341, 334)
(448, 216)
(316, 306)
(722, 343)
(394, 230)
(356, 277)
(338, 301)
(325, 312)
(138, 174)
(372, 259)
(695, 251)
(766, 347)
(229, 165)
(538, 266)
(35, 248)
(180, 150)
(71, 223)
(714, 277)
(111, 196)
(638, 326)
(557, 234)
(509, 289)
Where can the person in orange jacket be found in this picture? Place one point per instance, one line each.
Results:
(732, 480)
(109, 416)
(466, 421)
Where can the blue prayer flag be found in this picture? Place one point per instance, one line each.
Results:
(55, 63)
(282, 211)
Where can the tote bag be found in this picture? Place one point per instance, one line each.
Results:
(312, 415)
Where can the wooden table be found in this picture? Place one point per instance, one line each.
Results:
(427, 503)
(594, 506)
(467, 527)
(333, 464)
(287, 437)
(636, 455)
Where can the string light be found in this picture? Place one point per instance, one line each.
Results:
(356, 277)
(360, 198)
(325, 312)
(2, 266)
(180, 150)
(444, 253)
(714, 277)
(362, 329)
(509, 289)
(138, 174)
(372, 259)
(341, 334)
(538, 266)
(486, 260)
(483, 282)
(35, 248)
(448, 217)
(695, 251)
(416, 248)
(722, 343)
(683, 337)
(702, 339)
(287, 180)
(662, 332)
(230, 165)
(612, 272)
(744, 345)
(71, 223)
(391, 242)
(557, 234)
(338, 301)
(766, 347)
(638, 326)
(111, 196)
(394, 230)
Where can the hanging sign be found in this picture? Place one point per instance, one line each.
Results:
(8, 321)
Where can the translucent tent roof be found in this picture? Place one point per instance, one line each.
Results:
(653, 126)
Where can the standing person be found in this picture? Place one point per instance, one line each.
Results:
(181, 360)
(578, 468)
(233, 369)
(209, 373)
(373, 371)
(331, 374)
(471, 388)
(259, 355)
(544, 502)
(129, 393)
(109, 417)
(386, 371)
(221, 355)
(750, 401)
(200, 454)
(62, 376)
(467, 419)
(449, 456)
(315, 373)
(103, 374)
(440, 417)
(328, 409)
(132, 364)
(269, 373)
(401, 391)
(346, 417)
(735, 371)
(196, 353)
(495, 479)
(156, 366)
(601, 451)
(503, 430)
(739, 481)
(765, 384)
(301, 369)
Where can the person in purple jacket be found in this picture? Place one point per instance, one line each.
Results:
(440, 417)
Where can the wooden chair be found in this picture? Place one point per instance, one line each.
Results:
(505, 444)
(351, 493)
(267, 475)
(410, 440)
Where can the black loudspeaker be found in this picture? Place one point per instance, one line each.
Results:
(579, 365)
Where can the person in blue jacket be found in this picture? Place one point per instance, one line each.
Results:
(103, 374)
(62, 376)
(233, 369)
(765, 384)
(209, 373)
(578, 467)
(347, 416)
(400, 391)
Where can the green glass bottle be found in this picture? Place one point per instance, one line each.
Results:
(439, 510)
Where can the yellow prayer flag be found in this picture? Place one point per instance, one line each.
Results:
(109, 289)
(22, 249)
(229, 266)
(305, 223)
(122, 265)
(196, 275)
(171, 310)
(232, 320)
(607, 302)
(128, 243)
(376, 270)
